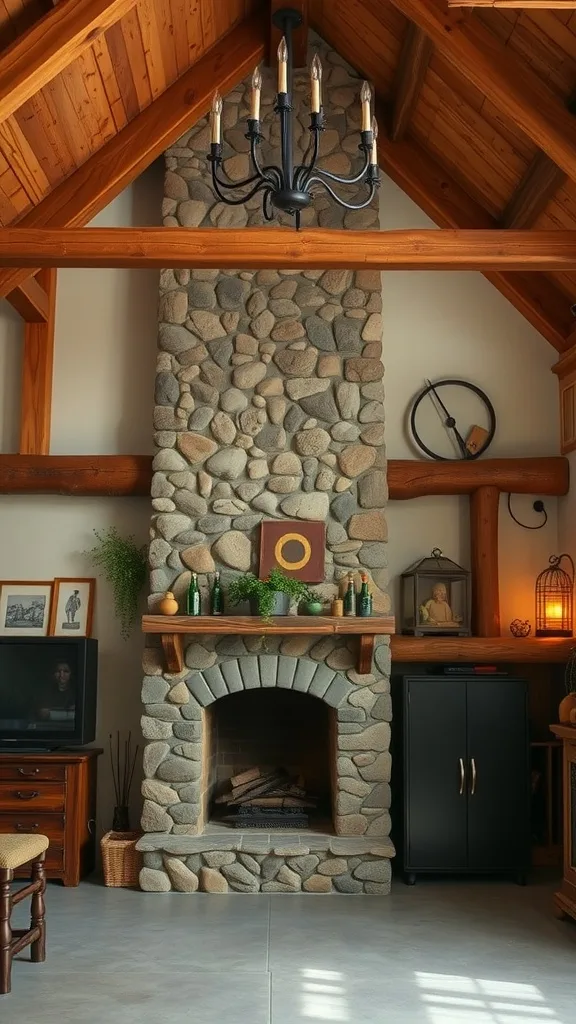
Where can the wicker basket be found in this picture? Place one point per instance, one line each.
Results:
(121, 860)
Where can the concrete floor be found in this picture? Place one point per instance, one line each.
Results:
(442, 952)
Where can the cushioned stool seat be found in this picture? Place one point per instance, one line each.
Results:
(15, 851)
(18, 850)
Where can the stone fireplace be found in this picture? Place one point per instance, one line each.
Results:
(269, 404)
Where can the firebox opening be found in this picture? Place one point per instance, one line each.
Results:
(287, 735)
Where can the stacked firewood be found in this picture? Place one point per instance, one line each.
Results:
(266, 787)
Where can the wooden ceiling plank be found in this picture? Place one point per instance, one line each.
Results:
(168, 33)
(284, 248)
(37, 368)
(411, 72)
(44, 139)
(65, 115)
(540, 183)
(23, 161)
(109, 81)
(117, 164)
(527, 5)
(450, 206)
(84, 86)
(146, 15)
(121, 65)
(135, 48)
(183, 24)
(31, 300)
(508, 81)
(50, 46)
(194, 32)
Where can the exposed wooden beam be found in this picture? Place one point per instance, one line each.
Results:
(81, 196)
(505, 79)
(86, 475)
(410, 75)
(428, 184)
(51, 45)
(484, 504)
(476, 650)
(526, 5)
(131, 475)
(299, 36)
(409, 478)
(261, 248)
(540, 183)
(37, 366)
(31, 301)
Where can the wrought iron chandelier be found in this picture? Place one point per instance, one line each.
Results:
(290, 187)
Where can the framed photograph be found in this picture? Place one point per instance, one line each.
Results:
(25, 608)
(297, 548)
(72, 607)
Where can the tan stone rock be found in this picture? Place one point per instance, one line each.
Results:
(363, 370)
(248, 375)
(341, 658)
(262, 324)
(351, 825)
(152, 880)
(179, 694)
(312, 442)
(246, 345)
(152, 663)
(342, 484)
(198, 559)
(368, 526)
(304, 387)
(211, 880)
(317, 883)
(288, 463)
(289, 878)
(297, 363)
(155, 818)
(373, 350)
(374, 434)
(283, 484)
(223, 428)
(374, 737)
(356, 459)
(257, 468)
(196, 447)
(276, 409)
(159, 792)
(288, 330)
(234, 549)
(183, 880)
(333, 866)
(271, 386)
(329, 365)
(295, 646)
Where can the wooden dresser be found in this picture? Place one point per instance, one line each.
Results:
(53, 794)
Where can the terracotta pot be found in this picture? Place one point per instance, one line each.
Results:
(168, 605)
(567, 705)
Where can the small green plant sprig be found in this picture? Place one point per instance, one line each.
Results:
(249, 587)
(123, 564)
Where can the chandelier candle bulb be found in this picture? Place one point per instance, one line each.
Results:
(255, 97)
(282, 66)
(215, 118)
(315, 80)
(365, 98)
(374, 155)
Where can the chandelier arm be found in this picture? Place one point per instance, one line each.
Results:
(273, 175)
(267, 206)
(347, 181)
(243, 199)
(270, 172)
(308, 168)
(342, 202)
(236, 184)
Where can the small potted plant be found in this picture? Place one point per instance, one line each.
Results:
(121, 861)
(272, 596)
(123, 564)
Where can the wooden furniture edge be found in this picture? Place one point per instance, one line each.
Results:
(482, 650)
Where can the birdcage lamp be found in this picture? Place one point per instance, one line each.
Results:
(554, 598)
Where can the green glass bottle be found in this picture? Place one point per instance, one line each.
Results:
(350, 596)
(193, 601)
(364, 599)
(216, 597)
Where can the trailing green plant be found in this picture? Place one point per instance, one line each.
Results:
(250, 588)
(123, 565)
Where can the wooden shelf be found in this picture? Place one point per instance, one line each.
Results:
(172, 628)
(480, 649)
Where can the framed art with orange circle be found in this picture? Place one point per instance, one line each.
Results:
(297, 548)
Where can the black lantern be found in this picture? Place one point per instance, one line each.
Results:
(435, 597)
(554, 598)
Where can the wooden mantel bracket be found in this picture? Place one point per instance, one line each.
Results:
(171, 630)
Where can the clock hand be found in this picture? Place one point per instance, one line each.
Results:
(450, 421)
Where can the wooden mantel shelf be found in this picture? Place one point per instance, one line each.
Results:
(172, 628)
(494, 649)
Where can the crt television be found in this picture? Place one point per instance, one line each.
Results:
(47, 691)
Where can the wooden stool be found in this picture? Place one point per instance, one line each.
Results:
(15, 851)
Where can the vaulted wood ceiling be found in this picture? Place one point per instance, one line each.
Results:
(474, 108)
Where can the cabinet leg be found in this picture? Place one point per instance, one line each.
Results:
(37, 913)
(410, 878)
(6, 876)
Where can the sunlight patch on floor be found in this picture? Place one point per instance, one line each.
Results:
(323, 995)
(457, 999)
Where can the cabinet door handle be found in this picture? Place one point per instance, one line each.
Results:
(26, 828)
(474, 776)
(462, 776)
(33, 772)
(27, 796)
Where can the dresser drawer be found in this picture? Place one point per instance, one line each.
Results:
(16, 772)
(28, 796)
(53, 862)
(42, 824)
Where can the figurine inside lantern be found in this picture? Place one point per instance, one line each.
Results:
(436, 597)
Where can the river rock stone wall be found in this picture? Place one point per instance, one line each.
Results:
(269, 404)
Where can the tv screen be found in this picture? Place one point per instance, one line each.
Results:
(47, 690)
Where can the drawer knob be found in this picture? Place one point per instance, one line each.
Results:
(27, 796)
(26, 828)
(34, 771)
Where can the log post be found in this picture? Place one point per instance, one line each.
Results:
(484, 503)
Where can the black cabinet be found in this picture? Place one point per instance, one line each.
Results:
(461, 774)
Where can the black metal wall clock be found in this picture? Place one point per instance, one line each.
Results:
(452, 419)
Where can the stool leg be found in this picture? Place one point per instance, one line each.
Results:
(6, 876)
(37, 911)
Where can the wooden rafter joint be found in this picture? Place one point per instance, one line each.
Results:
(32, 301)
(410, 74)
(525, 5)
